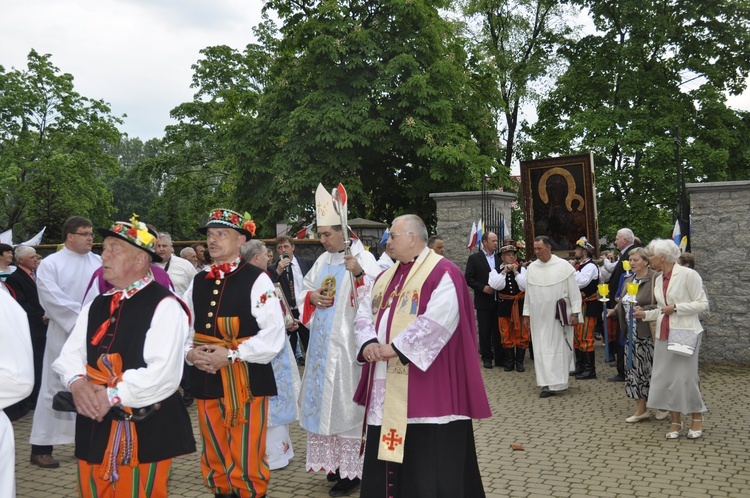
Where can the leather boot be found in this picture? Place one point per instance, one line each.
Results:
(508, 359)
(520, 353)
(225, 495)
(580, 363)
(590, 371)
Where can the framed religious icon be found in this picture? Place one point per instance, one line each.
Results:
(560, 202)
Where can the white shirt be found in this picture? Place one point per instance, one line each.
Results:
(180, 271)
(586, 274)
(162, 352)
(266, 344)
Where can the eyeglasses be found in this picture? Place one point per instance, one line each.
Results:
(88, 235)
(395, 235)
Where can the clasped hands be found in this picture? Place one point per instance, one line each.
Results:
(378, 352)
(90, 399)
(210, 359)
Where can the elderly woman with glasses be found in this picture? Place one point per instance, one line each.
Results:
(679, 295)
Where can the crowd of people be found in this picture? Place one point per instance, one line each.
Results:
(117, 347)
(655, 349)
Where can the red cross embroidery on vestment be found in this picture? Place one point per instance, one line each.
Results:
(392, 440)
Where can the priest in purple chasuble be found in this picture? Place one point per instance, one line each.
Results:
(421, 383)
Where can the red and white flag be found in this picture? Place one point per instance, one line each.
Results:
(472, 236)
(303, 232)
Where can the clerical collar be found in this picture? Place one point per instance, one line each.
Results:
(131, 289)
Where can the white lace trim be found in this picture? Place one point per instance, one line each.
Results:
(328, 453)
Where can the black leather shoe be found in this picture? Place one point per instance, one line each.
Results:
(487, 363)
(546, 393)
(344, 487)
(617, 378)
(333, 476)
(520, 367)
(225, 495)
(187, 398)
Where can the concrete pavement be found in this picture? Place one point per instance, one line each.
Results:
(576, 444)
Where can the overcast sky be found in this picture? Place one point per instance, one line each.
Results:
(134, 54)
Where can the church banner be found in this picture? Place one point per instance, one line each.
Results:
(560, 202)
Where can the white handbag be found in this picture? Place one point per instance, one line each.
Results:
(682, 341)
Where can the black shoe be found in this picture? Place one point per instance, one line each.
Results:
(344, 487)
(333, 476)
(187, 399)
(225, 495)
(546, 393)
(301, 361)
(487, 363)
(617, 378)
(509, 366)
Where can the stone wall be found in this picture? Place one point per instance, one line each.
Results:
(455, 213)
(720, 214)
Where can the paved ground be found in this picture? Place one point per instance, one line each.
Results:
(576, 444)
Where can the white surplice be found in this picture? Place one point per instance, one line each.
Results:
(546, 283)
(62, 279)
(16, 381)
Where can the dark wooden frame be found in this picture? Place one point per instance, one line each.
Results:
(559, 218)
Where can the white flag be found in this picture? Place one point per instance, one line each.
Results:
(35, 240)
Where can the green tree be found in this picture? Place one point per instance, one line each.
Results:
(51, 150)
(379, 96)
(519, 39)
(133, 192)
(625, 92)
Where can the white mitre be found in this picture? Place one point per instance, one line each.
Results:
(326, 215)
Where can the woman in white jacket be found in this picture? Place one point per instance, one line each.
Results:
(680, 299)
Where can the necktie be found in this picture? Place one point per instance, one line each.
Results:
(104, 327)
(290, 277)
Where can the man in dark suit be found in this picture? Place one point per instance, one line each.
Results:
(477, 274)
(23, 283)
(624, 243)
(290, 272)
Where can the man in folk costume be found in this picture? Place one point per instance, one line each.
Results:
(332, 419)
(587, 277)
(549, 279)
(239, 329)
(16, 381)
(510, 283)
(61, 282)
(123, 363)
(422, 384)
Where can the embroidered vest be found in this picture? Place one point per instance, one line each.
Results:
(228, 297)
(166, 434)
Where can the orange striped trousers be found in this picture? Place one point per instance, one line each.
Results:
(147, 480)
(514, 335)
(234, 458)
(584, 335)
